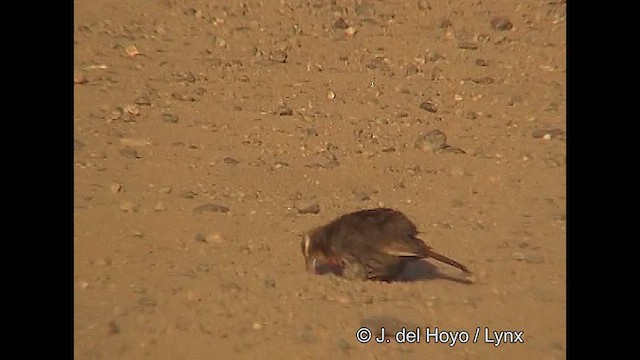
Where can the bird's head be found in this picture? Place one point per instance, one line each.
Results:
(317, 259)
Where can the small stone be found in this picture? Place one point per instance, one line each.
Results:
(362, 196)
(284, 110)
(448, 149)
(446, 23)
(132, 109)
(189, 11)
(467, 45)
(142, 100)
(170, 118)
(548, 134)
(84, 285)
(270, 283)
(80, 79)
(350, 31)
(424, 5)
(159, 207)
(307, 207)
(165, 189)
(132, 51)
(340, 24)
(331, 95)
(137, 233)
(312, 132)
(130, 153)
(501, 23)
(433, 56)
(481, 62)
(411, 70)
(127, 206)
(432, 141)
(180, 96)
(230, 161)
(215, 238)
(115, 188)
(190, 77)
(200, 238)
(279, 56)
(115, 114)
(257, 326)
(189, 194)
(428, 106)
(211, 208)
(280, 164)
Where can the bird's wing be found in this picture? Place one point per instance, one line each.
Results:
(405, 247)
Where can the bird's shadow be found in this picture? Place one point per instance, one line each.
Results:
(418, 270)
(421, 270)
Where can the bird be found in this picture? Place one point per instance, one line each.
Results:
(371, 244)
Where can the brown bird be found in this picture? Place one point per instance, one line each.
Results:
(371, 244)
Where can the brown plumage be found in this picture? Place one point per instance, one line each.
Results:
(371, 244)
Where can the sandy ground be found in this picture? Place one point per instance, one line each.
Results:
(209, 135)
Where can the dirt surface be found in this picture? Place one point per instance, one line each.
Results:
(209, 135)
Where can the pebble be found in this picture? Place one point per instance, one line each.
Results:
(130, 153)
(467, 45)
(548, 134)
(80, 79)
(340, 24)
(165, 189)
(448, 149)
(350, 31)
(170, 118)
(132, 109)
(115, 188)
(501, 23)
(230, 161)
(180, 96)
(284, 110)
(361, 196)
(431, 141)
(212, 207)
(279, 56)
(307, 207)
(331, 95)
(428, 106)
